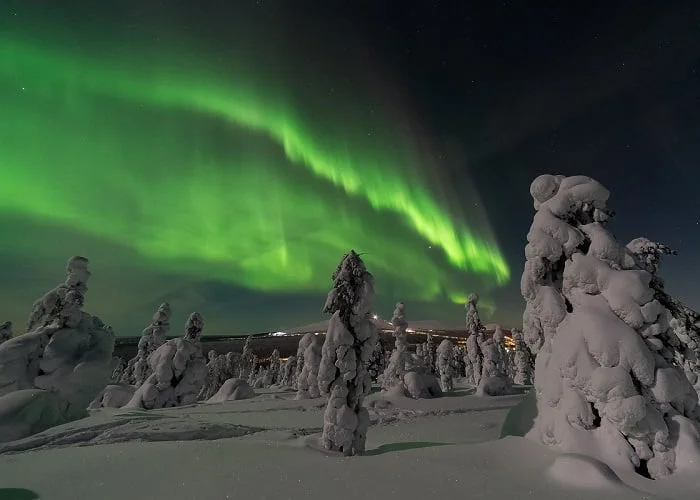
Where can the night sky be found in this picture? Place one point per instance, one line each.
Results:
(222, 156)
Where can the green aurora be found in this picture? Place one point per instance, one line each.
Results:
(226, 178)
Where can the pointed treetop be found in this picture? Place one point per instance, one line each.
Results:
(194, 327)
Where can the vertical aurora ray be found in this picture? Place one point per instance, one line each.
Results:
(122, 139)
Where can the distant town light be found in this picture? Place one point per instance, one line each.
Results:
(376, 316)
(278, 334)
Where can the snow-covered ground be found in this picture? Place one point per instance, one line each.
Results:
(268, 448)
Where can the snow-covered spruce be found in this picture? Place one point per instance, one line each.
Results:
(301, 348)
(429, 353)
(444, 365)
(253, 373)
(210, 381)
(522, 360)
(247, 358)
(396, 369)
(378, 361)
(494, 379)
(288, 371)
(118, 367)
(50, 374)
(350, 340)
(684, 333)
(458, 353)
(605, 379)
(475, 330)
(5, 331)
(272, 374)
(232, 389)
(179, 371)
(307, 383)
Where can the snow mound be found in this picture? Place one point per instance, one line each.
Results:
(233, 389)
(421, 385)
(113, 396)
(581, 471)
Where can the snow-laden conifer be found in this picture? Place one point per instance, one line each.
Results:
(350, 340)
(605, 379)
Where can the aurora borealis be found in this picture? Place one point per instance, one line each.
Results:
(226, 173)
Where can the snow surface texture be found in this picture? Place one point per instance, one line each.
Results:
(350, 340)
(475, 329)
(494, 379)
(5, 331)
(50, 374)
(396, 369)
(178, 371)
(307, 384)
(416, 449)
(232, 390)
(444, 365)
(605, 380)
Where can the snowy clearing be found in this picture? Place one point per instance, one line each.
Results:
(268, 448)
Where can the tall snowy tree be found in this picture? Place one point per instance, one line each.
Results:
(606, 381)
(430, 353)
(476, 330)
(289, 367)
(396, 369)
(273, 373)
(350, 340)
(307, 383)
(494, 379)
(247, 358)
(304, 342)
(5, 331)
(522, 360)
(444, 365)
(458, 354)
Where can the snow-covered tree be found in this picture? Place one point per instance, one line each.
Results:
(5, 331)
(350, 340)
(499, 338)
(444, 364)
(396, 369)
(179, 371)
(429, 353)
(494, 379)
(378, 361)
(301, 348)
(273, 372)
(522, 360)
(307, 383)
(684, 333)
(476, 330)
(247, 357)
(53, 372)
(289, 367)
(118, 368)
(208, 389)
(605, 379)
(458, 354)
(159, 328)
(253, 373)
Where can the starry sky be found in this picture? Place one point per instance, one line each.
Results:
(222, 156)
